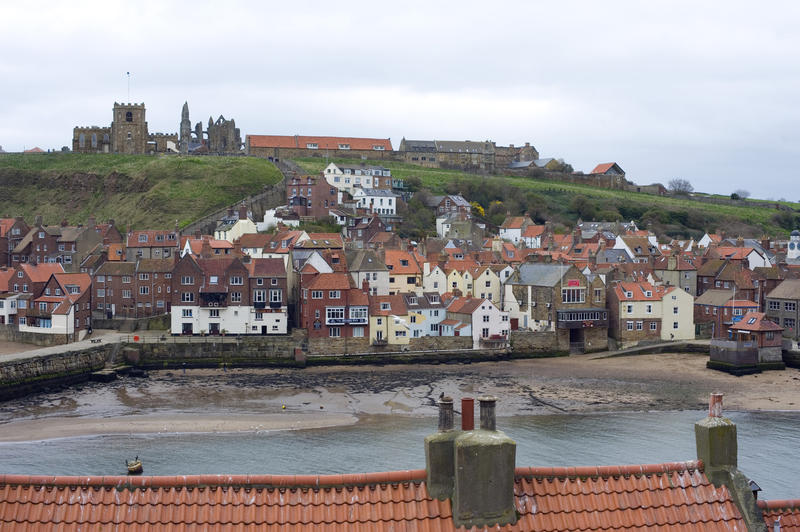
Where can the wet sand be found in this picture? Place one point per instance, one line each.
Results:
(275, 399)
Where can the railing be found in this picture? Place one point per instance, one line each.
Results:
(380, 341)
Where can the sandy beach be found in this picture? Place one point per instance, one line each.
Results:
(282, 399)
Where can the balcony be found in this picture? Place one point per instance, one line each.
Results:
(259, 305)
(346, 321)
(212, 300)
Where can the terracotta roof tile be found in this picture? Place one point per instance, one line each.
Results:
(670, 496)
(5, 225)
(756, 322)
(323, 143)
(788, 511)
(40, 273)
(330, 281)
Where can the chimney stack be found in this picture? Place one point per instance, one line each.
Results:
(715, 437)
(439, 455)
(483, 487)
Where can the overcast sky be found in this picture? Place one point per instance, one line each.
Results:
(705, 91)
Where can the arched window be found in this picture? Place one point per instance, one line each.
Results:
(129, 117)
(105, 138)
(82, 140)
(94, 140)
(130, 136)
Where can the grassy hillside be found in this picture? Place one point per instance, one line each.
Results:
(138, 190)
(564, 203)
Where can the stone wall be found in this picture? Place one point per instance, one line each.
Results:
(339, 346)
(9, 333)
(20, 377)
(535, 342)
(214, 352)
(151, 323)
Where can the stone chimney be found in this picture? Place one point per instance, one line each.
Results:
(37, 220)
(91, 222)
(365, 287)
(242, 211)
(739, 242)
(717, 448)
(483, 483)
(672, 261)
(439, 453)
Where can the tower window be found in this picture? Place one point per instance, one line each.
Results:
(130, 136)
(129, 117)
(82, 140)
(105, 138)
(94, 140)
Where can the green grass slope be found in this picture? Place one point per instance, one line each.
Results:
(141, 191)
(564, 202)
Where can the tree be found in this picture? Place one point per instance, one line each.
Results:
(740, 194)
(681, 187)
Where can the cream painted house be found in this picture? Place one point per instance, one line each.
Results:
(388, 321)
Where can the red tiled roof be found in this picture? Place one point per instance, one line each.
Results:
(266, 268)
(397, 305)
(323, 143)
(533, 231)
(81, 280)
(5, 275)
(393, 258)
(760, 323)
(330, 281)
(730, 252)
(5, 225)
(132, 240)
(602, 168)
(740, 303)
(787, 510)
(464, 305)
(40, 273)
(638, 291)
(671, 496)
(513, 222)
(35, 149)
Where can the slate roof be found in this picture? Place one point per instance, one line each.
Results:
(419, 145)
(788, 289)
(537, 274)
(266, 268)
(116, 268)
(670, 496)
(364, 260)
(715, 298)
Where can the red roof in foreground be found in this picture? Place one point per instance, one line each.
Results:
(671, 496)
(788, 511)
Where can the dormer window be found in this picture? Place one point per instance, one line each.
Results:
(628, 295)
(403, 262)
(344, 146)
(751, 321)
(433, 298)
(143, 238)
(412, 300)
(386, 306)
(648, 293)
(378, 147)
(312, 146)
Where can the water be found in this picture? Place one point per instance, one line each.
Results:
(767, 443)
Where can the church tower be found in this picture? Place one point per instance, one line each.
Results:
(129, 128)
(186, 129)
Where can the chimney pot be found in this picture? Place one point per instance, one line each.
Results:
(487, 405)
(715, 405)
(467, 413)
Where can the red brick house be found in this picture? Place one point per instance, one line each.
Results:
(331, 307)
(64, 307)
(12, 231)
(311, 196)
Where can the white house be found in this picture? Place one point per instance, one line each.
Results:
(433, 279)
(488, 324)
(378, 201)
(426, 311)
(347, 178)
(8, 308)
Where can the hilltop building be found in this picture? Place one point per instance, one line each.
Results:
(128, 134)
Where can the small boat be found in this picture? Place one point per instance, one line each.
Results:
(134, 467)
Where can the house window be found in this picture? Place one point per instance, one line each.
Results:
(674, 310)
(275, 296)
(358, 332)
(126, 279)
(259, 296)
(144, 290)
(236, 297)
(790, 306)
(213, 313)
(101, 292)
(334, 294)
(187, 280)
(639, 325)
(186, 313)
(316, 294)
(399, 332)
(485, 332)
(629, 309)
(213, 279)
(312, 146)
(334, 313)
(788, 323)
(237, 280)
(774, 305)
(386, 306)
(674, 324)
(486, 319)
(187, 297)
(653, 325)
(649, 309)
(273, 282)
(335, 332)
(573, 295)
(630, 325)
(126, 294)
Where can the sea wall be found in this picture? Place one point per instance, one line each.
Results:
(30, 375)
(535, 342)
(9, 333)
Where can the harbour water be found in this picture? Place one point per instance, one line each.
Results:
(767, 447)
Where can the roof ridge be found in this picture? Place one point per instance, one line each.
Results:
(778, 504)
(286, 481)
(610, 471)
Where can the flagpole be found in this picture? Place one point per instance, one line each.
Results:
(129, 85)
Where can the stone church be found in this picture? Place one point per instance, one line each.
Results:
(128, 134)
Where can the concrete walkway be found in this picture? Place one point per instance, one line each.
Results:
(105, 336)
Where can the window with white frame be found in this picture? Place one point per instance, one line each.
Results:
(237, 280)
(275, 296)
(236, 297)
(187, 297)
